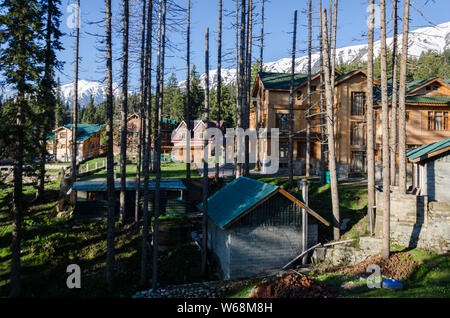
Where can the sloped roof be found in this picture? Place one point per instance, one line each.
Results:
(415, 84)
(85, 131)
(428, 151)
(174, 184)
(281, 80)
(428, 99)
(241, 196)
(347, 74)
(51, 136)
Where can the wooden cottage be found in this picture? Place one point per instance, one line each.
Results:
(431, 170)
(59, 144)
(255, 228)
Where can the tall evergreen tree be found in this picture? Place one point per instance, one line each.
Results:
(20, 63)
(46, 94)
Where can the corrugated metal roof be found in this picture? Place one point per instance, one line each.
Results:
(419, 152)
(428, 99)
(130, 185)
(236, 198)
(281, 80)
(85, 131)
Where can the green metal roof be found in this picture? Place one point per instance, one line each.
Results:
(427, 149)
(236, 198)
(51, 136)
(428, 99)
(85, 131)
(281, 80)
(346, 74)
(174, 184)
(447, 80)
(413, 85)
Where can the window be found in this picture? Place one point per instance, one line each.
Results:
(62, 135)
(282, 121)
(357, 134)
(358, 104)
(301, 150)
(438, 121)
(313, 88)
(284, 149)
(407, 116)
(299, 95)
(358, 161)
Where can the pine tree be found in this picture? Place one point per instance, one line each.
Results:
(219, 79)
(46, 97)
(20, 63)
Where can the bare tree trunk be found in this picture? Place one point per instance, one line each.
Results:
(394, 97)
(188, 94)
(261, 53)
(322, 105)
(291, 106)
(219, 80)
(142, 99)
(159, 102)
(330, 128)
(238, 98)
(75, 97)
(402, 102)
(370, 115)
(17, 199)
(242, 93)
(385, 115)
(109, 153)
(247, 83)
(124, 112)
(333, 50)
(308, 92)
(146, 149)
(205, 162)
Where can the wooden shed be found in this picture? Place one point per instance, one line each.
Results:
(255, 228)
(431, 170)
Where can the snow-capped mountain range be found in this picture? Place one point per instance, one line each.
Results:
(421, 40)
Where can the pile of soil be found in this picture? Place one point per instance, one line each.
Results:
(399, 266)
(290, 286)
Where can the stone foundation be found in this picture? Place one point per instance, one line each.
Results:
(415, 222)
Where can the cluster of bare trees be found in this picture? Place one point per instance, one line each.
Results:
(394, 125)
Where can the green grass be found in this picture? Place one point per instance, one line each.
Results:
(431, 278)
(169, 170)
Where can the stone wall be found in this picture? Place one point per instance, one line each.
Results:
(416, 222)
(259, 251)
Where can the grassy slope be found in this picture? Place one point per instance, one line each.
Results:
(50, 244)
(168, 171)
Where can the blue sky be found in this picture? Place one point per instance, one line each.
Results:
(278, 25)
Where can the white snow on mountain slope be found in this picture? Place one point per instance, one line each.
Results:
(420, 40)
(86, 89)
